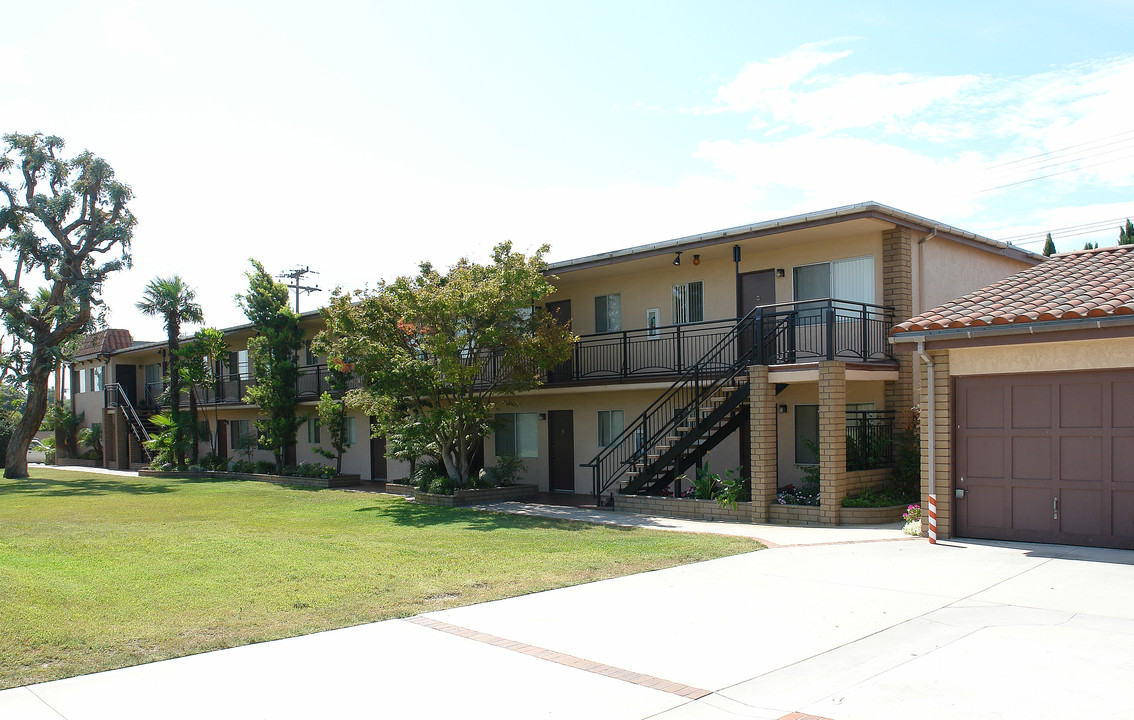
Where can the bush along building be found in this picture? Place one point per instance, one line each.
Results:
(762, 347)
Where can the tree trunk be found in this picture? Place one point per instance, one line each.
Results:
(16, 461)
(195, 451)
(173, 342)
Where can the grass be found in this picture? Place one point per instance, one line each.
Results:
(101, 571)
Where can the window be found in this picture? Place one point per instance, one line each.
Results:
(96, 379)
(806, 434)
(851, 279)
(348, 431)
(309, 357)
(608, 313)
(238, 365)
(241, 434)
(313, 427)
(652, 323)
(153, 373)
(688, 302)
(609, 426)
(82, 381)
(517, 435)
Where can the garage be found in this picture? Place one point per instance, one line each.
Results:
(1026, 403)
(1046, 457)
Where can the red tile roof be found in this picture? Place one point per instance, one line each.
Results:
(1088, 283)
(103, 341)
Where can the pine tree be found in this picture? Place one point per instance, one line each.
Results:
(1048, 246)
(1126, 234)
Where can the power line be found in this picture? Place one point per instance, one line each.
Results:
(1069, 147)
(296, 275)
(1099, 224)
(1050, 175)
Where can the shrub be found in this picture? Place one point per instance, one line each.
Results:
(734, 488)
(442, 485)
(265, 467)
(244, 466)
(509, 470)
(423, 483)
(874, 498)
(426, 471)
(705, 485)
(482, 480)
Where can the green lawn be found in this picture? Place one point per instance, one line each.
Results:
(101, 571)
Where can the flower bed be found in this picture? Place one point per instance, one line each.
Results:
(334, 482)
(686, 508)
(478, 496)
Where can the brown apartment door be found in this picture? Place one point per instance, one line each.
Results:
(561, 311)
(561, 450)
(756, 288)
(377, 455)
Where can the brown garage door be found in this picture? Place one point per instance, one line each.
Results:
(1047, 457)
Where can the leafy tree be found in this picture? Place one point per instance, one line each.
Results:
(174, 301)
(412, 440)
(199, 360)
(273, 353)
(62, 221)
(1126, 234)
(1089, 246)
(442, 348)
(1048, 246)
(331, 411)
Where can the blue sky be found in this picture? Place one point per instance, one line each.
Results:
(360, 138)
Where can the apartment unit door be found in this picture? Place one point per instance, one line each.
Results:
(377, 455)
(561, 450)
(127, 377)
(561, 311)
(756, 289)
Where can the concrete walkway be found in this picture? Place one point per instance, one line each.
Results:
(848, 631)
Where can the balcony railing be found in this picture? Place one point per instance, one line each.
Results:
(870, 439)
(231, 388)
(794, 332)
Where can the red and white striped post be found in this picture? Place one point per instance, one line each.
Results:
(932, 519)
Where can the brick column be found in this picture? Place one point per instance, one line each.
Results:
(942, 466)
(109, 443)
(897, 292)
(832, 439)
(122, 438)
(763, 460)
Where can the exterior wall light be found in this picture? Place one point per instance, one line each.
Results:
(677, 258)
(696, 259)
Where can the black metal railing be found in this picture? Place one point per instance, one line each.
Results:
(870, 439)
(803, 332)
(114, 396)
(230, 389)
(682, 407)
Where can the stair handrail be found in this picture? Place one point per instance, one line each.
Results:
(692, 376)
(135, 422)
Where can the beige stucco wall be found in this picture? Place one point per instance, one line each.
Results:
(585, 406)
(647, 283)
(950, 269)
(807, 393)
(1097, 354)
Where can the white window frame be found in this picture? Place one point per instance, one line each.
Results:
(98, 376)
(524, 444)
(83, 381)
(314, 437)
(613, 426)
(685, 309)
(864, 295)
(653, 320)
(348, 431)
(610, 319)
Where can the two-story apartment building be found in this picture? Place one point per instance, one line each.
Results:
(755, 347)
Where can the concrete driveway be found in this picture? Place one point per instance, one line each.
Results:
(848, 631)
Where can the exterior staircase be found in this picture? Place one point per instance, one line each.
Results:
(703, 407)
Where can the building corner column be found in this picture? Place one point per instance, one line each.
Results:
(832, 439)
(762, 439)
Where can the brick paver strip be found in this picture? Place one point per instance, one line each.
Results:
(578, 663)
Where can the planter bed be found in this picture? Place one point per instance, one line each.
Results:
(871, 516)
(335, 482)
(686, 508)
(807, 515)
(397, 488)
(476, 497)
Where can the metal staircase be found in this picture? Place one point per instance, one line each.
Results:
(116, 397)
(704, 406)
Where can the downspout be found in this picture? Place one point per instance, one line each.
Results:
(930, 386)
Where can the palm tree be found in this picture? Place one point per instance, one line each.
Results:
(173, 300)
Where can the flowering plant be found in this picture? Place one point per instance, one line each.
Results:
(912, 513)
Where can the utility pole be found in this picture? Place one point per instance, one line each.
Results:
(296, 277)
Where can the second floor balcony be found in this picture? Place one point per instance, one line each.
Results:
(311, 383)
(783, 334)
